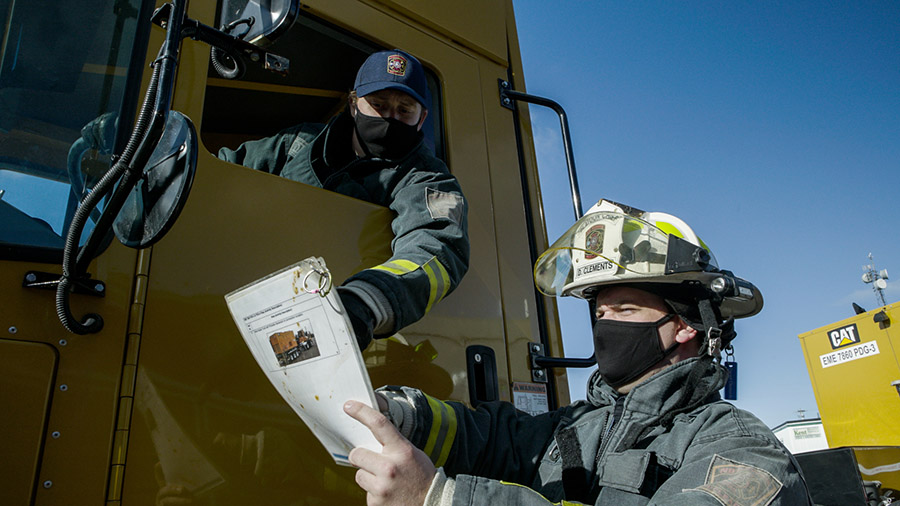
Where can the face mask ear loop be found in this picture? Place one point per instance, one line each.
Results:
(713, 342)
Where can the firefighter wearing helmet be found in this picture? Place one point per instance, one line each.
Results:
(653, 429)
(617, 245)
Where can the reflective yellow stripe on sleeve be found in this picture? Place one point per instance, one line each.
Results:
(438, 277)
(443, 431)
(398, 267)
(561, 503)
(439, 281)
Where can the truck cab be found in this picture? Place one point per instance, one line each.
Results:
(165, 399)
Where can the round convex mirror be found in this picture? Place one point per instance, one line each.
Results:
(158, 197)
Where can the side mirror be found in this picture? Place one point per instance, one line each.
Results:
(259, 22)
(158, 197)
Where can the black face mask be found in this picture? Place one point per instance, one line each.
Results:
(625, 350)
(385, 137)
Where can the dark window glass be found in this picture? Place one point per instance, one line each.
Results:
(63, 66)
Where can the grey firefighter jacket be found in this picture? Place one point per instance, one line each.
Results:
(608, 450)
(430, 246)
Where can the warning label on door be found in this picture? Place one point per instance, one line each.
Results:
(849, 354)
(531, 397)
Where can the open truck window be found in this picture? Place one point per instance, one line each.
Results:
(64, 73)
(324, 59)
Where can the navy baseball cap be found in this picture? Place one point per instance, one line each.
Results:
(392, 70)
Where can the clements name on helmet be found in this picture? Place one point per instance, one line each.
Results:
(602, 266)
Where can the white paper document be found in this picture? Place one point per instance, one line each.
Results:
(299, 334)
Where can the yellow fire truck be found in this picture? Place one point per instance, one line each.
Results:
(155, 386)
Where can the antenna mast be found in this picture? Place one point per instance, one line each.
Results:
(878, 279)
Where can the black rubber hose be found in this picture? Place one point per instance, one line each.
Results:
(217, 56)
(92, 322)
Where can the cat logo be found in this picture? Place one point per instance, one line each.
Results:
(843, 336)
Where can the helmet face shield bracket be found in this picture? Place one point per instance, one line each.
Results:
(683, 256)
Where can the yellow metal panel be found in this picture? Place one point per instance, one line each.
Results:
(880, 463)
(852, 364)
(26, 384)
(75, 465)
(455, 19)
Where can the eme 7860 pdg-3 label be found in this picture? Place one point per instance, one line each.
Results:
(849, 354)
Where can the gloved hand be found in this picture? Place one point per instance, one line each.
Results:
(361, 317)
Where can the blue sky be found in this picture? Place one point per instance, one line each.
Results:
(772, 128)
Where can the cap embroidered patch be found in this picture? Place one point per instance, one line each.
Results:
(396, 65)
(737, 484)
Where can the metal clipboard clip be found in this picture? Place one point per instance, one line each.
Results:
(317, 279)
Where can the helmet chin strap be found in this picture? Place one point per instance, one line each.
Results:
(713, 342)
(695, 390)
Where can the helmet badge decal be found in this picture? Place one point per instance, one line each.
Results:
(396, 65)
(593, 241)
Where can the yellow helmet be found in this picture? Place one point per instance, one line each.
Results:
(617, 244)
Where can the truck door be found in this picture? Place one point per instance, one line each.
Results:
(64, 65)
(205, 417)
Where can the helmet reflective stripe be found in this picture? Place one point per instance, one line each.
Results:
(669, 229)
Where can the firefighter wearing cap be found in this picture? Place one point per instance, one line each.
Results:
(375, 151)
(653, 429)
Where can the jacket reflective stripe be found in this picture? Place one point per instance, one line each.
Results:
(398, 267)
(443, 431)
(561, 503)
(439, 281)
(438, 277)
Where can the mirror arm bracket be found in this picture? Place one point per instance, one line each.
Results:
(49, 281)
(230, 44)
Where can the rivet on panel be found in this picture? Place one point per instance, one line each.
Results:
(55, 434)
(63, 342)
(63, 387)
(48, 484)
(13, 330)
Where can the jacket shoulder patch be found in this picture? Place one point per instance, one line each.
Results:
(733, 483)
(444, 205)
